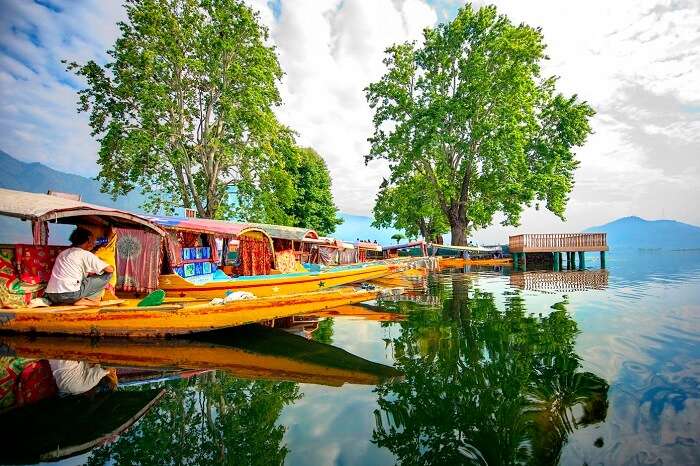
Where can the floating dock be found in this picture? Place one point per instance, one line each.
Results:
(558, 244)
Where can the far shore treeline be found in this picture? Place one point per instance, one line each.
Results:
(184, 112)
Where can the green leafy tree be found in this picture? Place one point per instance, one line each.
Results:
(295, 190)
(409, 206)
(470, 113)
(398, 237)
(184, 107)
(313, 206)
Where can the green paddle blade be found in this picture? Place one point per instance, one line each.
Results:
(153, 299)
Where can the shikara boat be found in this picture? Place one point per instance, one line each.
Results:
(274, 285)
(59, 428)
(257, 261)
(255, 352)
(457, 262)
(173, 318)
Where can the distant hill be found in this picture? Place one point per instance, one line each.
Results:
(38, 178)
(640, 233)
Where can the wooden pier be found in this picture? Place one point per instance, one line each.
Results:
(558, 244)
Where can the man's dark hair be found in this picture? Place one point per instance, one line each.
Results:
(79, 236)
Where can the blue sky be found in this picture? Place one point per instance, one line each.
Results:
(636, 62)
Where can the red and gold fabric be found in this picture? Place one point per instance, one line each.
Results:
(255, 256)
(35, 262)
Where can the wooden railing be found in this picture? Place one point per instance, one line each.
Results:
(564, 242)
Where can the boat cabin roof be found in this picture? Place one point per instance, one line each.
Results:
(287, 233)
(220, 228)
(48, 208)
(412, 244)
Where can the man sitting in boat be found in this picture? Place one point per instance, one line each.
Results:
(78, 276)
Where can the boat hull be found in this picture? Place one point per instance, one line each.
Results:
(456, 262)
(165, 321)
(272, 285)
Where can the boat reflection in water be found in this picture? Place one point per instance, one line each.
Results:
(484, 385)
(239, 390)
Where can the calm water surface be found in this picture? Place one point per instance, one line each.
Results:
(489, 367)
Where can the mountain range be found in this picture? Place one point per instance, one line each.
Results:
(636, 232)
(36, 177)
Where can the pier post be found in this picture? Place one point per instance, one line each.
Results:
(515, 261)
(581, 260)
(555, 256)
(573, 259)
(524, 261)
(561, 260)
(602, 259)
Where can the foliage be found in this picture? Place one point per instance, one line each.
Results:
(484, 386)
(324, 332)
(213, 419)
(313, 205)
(470, 113)
(409, 206)
(183, 109)
(398, 237)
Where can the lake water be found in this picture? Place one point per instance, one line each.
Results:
(483, 367)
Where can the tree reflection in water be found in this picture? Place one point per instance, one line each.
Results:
(214, 418)
(484, 386)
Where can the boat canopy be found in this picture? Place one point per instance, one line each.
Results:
(286, 233)
(220, 228)
(368, 246)
(40, 208)
(397, 247)
(471, 249)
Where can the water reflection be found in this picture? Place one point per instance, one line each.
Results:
(483, 386)
(474, 370)
(560, 281)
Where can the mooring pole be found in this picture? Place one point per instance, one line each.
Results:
(602, 259)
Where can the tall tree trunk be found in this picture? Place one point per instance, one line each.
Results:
(458, 229)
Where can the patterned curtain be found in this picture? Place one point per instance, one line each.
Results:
(174, 249)
(138, 260)
(211, 239)
(255, 256)
(347, 256)
(328, 256)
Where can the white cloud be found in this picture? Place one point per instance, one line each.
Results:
(636, 62)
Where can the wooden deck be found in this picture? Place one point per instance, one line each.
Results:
(558, 242)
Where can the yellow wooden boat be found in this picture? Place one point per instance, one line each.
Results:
(274, 285)
(253, 352)
(459, 262)
(126, 319)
